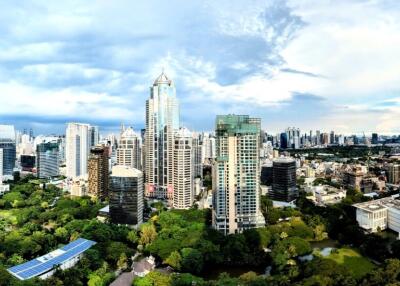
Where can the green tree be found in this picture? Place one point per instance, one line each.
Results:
(174, 260)
(192, 260)
(148, 233)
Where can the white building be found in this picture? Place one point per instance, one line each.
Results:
(77, 149)
(379, 214)
(183, 197)
(162, 120)
(129, 151)
(325, 195)
(236, 174)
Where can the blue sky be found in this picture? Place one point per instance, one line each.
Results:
(329, 65)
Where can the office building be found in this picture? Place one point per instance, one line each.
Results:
(129, 151)
(7, 143)
(98, 173)
(236, 173)
(126, 195)
(183, 195)
(94, 135)
(266, 174)
(162, 120)
(283, 180)
(208, 145)
(293, 137)
(283, 141)
(198, 157)
(27, 162)
(374, 139)
(48, 159)
(77, 149)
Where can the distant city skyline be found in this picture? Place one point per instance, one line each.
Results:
(291, 63)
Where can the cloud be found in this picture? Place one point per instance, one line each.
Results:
(317, 65)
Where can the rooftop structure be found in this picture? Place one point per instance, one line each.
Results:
(43, 266)
(379, 214)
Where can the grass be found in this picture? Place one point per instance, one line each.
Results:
(9, 215)
(352, 260)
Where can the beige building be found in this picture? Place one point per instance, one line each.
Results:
(129, 151)
(183, 169)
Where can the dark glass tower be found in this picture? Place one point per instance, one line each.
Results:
(284, 180)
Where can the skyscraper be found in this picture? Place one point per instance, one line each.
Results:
(197, 155)
(162, 120)
(94, 135)
(236, 173)
(98, 172)
(77, 149)
(374, 138)
(126, 195)
(7, 143)
(47, 159)
(129, 151)
(283, 180)
(183, 169)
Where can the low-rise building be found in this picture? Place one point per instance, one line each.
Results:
(379, 214)
(326, 195)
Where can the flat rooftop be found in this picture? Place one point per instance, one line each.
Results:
(45, 263)
(374, 205)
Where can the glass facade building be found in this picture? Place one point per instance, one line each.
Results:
(7, 143)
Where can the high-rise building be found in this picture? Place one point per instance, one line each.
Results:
(293, 137)
(126, 195)
(98, 172)
(318, 137)
(183, 169)
(129, 151)
(236, 173)
(47, 159)
(283, 141)
(162, 120)
(283, 180)
(7, 143)
(94, 135)
(208, 145)
(374, 138)
(77, 149)
(197, 148)
(1, 165)
(332, 137)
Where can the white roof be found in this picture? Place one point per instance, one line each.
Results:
(125, 171)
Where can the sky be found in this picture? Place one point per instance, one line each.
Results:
(328, 65)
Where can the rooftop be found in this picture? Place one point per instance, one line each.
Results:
(45, 263)
(125, 171)
(374, 205)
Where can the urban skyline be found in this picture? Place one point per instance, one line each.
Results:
(276, 60)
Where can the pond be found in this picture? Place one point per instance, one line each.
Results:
(324, 248)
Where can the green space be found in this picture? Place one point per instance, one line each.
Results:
(352, 260)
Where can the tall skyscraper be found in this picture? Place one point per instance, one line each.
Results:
(283, 180)
(47, 159)
(126, 195)
(162, 120)
(236, 173)
(1, 165)
(393, 171)
(77, 149)
(94, 135)
(197, 155)
(98, 172)
(7, 143)
(208, 147)
(129, 151)
(183, 169)
(293, 137)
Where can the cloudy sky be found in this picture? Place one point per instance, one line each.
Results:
(329, 65)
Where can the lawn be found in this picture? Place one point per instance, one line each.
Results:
(352, 260)
(8, 215)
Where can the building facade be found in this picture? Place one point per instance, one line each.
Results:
(8, 144)
(77, 149)
(129, 151)
(126, 195)
(283, 180)
(47, 160)
(98, 172)
(183, 169)
(236, 173)
(162, 120)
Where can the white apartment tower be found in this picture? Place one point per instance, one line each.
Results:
(77, 149)
(129, 151)
(162, 121)
(183, 196)
(236, 173)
